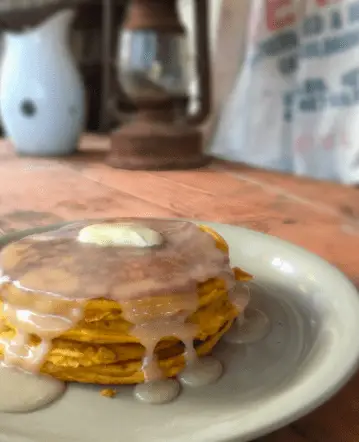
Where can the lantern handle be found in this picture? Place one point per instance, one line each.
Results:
(203, 61)
(107, 30)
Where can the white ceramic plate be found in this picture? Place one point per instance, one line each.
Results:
(309, 354)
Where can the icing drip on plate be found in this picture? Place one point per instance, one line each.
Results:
(252, 325)
(157, 392)
(202, 372)
(23, 392)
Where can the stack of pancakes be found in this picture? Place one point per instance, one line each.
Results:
(101, 350)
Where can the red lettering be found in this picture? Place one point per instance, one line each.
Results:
(303, 143)
(276, 18)
(322, 3)
(343, 139)
(328, 142)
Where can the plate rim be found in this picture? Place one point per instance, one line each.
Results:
(292, 413)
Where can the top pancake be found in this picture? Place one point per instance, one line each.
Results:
(56, 263)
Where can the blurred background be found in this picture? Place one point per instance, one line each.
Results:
(267, 83)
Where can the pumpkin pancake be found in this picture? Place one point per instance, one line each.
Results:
(101, 310)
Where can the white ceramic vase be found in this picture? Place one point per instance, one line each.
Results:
(42, 97)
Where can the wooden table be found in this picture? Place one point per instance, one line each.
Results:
(321, 217)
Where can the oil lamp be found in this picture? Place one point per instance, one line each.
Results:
(160, 134)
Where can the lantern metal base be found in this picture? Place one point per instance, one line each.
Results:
(143, 145)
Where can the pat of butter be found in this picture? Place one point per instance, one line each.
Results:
(125, 235)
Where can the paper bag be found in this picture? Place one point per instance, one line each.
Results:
(295, 103)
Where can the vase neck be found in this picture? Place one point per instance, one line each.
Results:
(53, 30)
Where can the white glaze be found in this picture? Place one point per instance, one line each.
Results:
(157, 392)
(203, 371)
(240, 296)
(250, 327)
(120, 234)
(166, 322)
(23, 392)
(19, 351)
